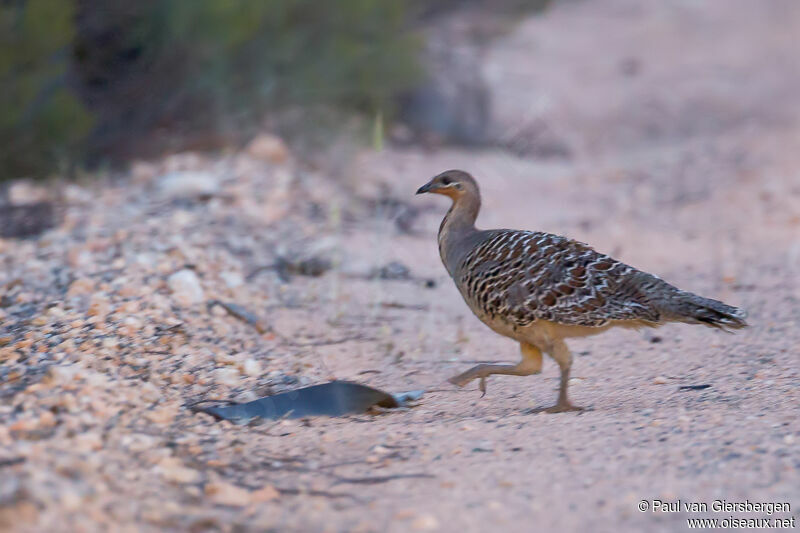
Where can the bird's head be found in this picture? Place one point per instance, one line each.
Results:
(452, 183)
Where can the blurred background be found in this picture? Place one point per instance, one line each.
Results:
(89, 82)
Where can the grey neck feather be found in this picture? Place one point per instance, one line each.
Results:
(456, 228)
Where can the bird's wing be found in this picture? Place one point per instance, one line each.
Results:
(523, 276)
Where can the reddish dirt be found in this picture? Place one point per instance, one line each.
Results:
(683, 122)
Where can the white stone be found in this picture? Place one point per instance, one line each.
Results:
(187, 184)
(232, 279)
(149, 392)
(186, 288)
(224, 493)
(26, 192)
(174, 470)
(251, 367)
(139, 442)
(227, 376)
(63, 374)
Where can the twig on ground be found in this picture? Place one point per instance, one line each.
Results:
(259, 270)
(12, 461)
(379, 479)
(694, 387)
(398, 305)
(321, 493)
(328, 342)
(239, 312)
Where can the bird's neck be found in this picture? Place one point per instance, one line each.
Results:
(458, 223)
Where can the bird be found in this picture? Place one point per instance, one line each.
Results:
(540, 289)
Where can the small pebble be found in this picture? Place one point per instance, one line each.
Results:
(425, 522)
(251, 367)
(227, 376)
(186, 288)
(224, 493)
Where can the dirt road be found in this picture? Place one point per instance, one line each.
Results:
(682, 121)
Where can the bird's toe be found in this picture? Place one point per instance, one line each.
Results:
(563, 408)
(459, 380)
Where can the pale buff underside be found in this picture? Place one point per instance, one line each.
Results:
(544, 334)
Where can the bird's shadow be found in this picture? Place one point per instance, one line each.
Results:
(537, 410)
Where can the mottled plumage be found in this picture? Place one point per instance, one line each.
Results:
(524, 276)
(539, 288)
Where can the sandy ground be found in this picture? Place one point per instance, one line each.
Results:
(683, 123)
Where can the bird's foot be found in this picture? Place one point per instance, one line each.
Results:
(460, 380)
(465, 377)
(563, 407)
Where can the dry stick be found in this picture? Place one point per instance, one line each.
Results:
(398, 305)
(322, 493)
(190, 405)
(343, 463)
(459, 361)
(379, 479)
(242, 314)
(460, 390)
(372, 277)
(157, 352)
(374, 480)
(246, 316)
(259, 270)
(346, 275)
(330, 342)
(12, 461)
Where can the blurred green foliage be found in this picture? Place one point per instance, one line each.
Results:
(82, 78)
(351, 52)
(42, 122)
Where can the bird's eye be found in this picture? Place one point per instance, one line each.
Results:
(446, 181)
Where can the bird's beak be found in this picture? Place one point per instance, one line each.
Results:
(425, 188)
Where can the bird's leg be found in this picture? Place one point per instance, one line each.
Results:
(561, 354)
(531, 363)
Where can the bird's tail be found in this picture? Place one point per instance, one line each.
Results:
(684, 306)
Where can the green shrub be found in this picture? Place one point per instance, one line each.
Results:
(96, 78)
(42, 122)
(352, 52)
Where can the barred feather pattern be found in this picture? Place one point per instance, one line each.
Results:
(525, 276)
